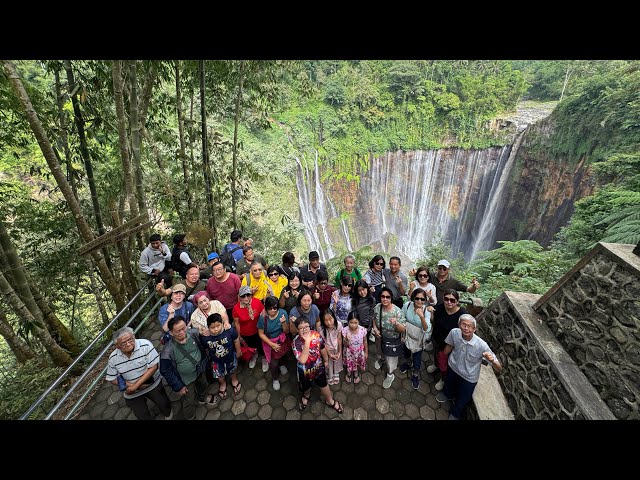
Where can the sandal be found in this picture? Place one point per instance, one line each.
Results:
(236, 388)
(347, 378)
(212, 400)
(222, 394)
(303, 405)
(336, 406)
(356, 378)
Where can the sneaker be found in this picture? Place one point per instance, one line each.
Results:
(253, 360)
(265, 365)
(388, 381)
(276, 385)
(415, 382)
(283, 370)
(431, 368)
(170, 416)
(453, 417)
(441, 397)
(440, 384)
(378, 364)
(404, 367)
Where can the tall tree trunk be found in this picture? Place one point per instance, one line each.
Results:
(135, 141)
(125, 261)
(18, 346)
(15, 273)
(183, 154)
(84, 151)
(205, 160)
(96, 293)
(62, 139)
(65, 188)
(57, 354)
(235, 147)
(118, 95)
(147, 89)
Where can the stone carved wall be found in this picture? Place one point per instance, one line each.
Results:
(595, 314)
(530, 384)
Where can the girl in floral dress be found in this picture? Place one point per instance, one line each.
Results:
(356, 350)
(330, 331)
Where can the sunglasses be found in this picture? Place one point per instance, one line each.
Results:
(423, 275)
(245, 295)
(274, 273)
(385, 296)
(442, 268)
(450, 300)
(379, 263)
(272, 308)
(348, 285)
(323, 283)
(421, 299)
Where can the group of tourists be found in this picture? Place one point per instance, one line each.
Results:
(237, 308)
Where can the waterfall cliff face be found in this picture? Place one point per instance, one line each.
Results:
(410, 197)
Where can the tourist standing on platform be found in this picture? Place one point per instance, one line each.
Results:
(155, 260)
(204, 308)
(289, 294)
(273, 328)
(396, 280)
(177, 307)
(310, 271)
(364, 303)
(341, 300)
(256, 280)
(418, 325)
(374, 276)
(288, 265)
(444, 281)
(445, 318)
(192, 282)
(304, 309)
(323, 291)
(311, 355)
(389, 326)
(276, 281)
(465, 351)
(224, 286)
(183, 364)
(249, 256)
(245, 319)
(349, 269)
(356, 348)
(422, 275)
(133, 366)
(331, 334)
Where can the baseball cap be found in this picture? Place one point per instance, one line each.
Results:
(212, 255)
(244, 290)
(313, 254)
(444, 263)
(179, 288)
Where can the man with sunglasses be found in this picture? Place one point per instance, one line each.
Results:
(443, 280)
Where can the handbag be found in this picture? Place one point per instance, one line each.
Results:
(202, 365)
(414, 338)
(391, 347)
(282, 340)
(246, 350)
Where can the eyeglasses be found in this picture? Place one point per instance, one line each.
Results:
(348, 285)
(385, 296)
(272, 308)
(256, 270)
(304, 328)
(323, 283)
(423, 275)
(450, 299)
(245, 295)
(274, 273)
(440, 267)
(379, 263)
(421, 299)
(126, 342)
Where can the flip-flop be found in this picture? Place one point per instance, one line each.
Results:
(236, 388)
(301, 404)
(336, 406)
(347, 378)
(356, 378)
(212, 400)
(222, 394)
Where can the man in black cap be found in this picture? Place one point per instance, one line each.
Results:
(310, 270)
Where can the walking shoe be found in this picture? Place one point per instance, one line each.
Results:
(170, 416)
(453, 417)
(440, 384)
(276, 385)
(378, 364)
(441, 397)
(253, 360)
(283, 370)
(388, 381)
(431, 368)
(415, 382)
(265, 365)
(404, 367)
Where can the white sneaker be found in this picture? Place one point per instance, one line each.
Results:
(440, 384)
(431, 368)
(170, 416)
(253, 360)
(388, 381)
(265, 365)
(283, 370)
(378, 364)
(276, 385)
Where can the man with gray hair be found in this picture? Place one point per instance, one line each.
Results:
(349, 269)
(133, 367)
(466, 352)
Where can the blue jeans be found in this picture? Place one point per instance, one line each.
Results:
(456, 387)
(415, 357)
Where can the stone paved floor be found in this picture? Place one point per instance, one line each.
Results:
(258, 401)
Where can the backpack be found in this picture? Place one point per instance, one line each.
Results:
(228, 260)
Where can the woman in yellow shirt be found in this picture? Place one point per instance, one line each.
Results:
(276, 281)
(257, 282)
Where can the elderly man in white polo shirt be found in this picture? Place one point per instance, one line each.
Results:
(133, 366)
(466, 351)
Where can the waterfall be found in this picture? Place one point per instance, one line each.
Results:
(485, 237)
(412, 197)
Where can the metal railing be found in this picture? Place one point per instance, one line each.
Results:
(64, 374)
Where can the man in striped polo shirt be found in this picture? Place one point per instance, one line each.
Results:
(133, 366)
